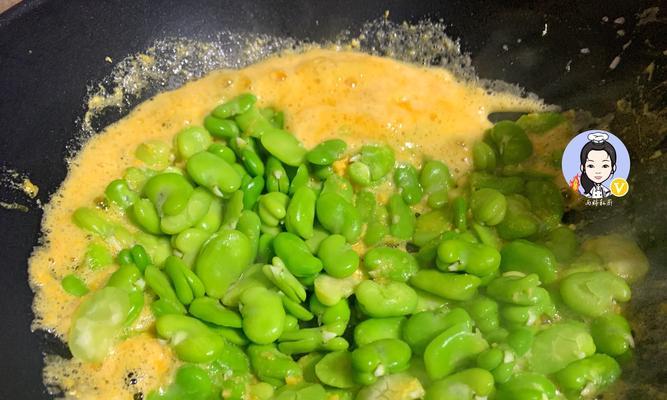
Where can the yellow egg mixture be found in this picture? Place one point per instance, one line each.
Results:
(324, 94)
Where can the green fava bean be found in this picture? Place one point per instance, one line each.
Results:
(504, 184)
(296, 255)
(390, 263)
(210, 310)
(516, 289)
(407, 180)
(612, 334)
(284, 280)
(128, 278)
(190, 382)
(402, 218)
(512, 143)
(469, 384)
(529, 258)
(120, 193)
(154, 153)
(326, 152)
(263, 315)
(452, 348)
(73, 285)
(223, 152)
(272, 366)
(461, 255)
(526, 386)
(252, 162)
(169, 192)
(540, 122)
(488, 206)
(484, 312)
(300, 391)
(521, 340)
(519, 221)
(276, 176)
(365, 203)
(97, 322)
(460, 213)
(213, 172)
(235, 106)
(301, 178)
(436, 180)
(233, 210)
(389, 300)
(379, 358)
(338, 258)
(335, 369)
(273, 208)
(174, 267)
(162, 307)
(378, 226)
(359, 173)
(335, 318)
(373, 329)
(197, 207)
(191, 141)
(300, 215)
(250, 225)
(431, 225)
(251, 277)
(222, 128)
(159, 283)
(484, 157)
(92, 220)
(284, 146)
(296, 310)
(397, 386)
(339, 216)
(192, 340)
(329, 290)
(97, 256)
(252, 189)
(379, 158)
(560, 344)
(593, 293)
(490, 358)
(254, 122)
(562, 242)
(421, 328)
(222, 260)
(546, 201)
(589, 376)
(451, 286)
(212, 220)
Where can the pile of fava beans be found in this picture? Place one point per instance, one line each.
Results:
(277, 272)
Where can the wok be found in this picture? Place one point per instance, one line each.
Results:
(50, 51)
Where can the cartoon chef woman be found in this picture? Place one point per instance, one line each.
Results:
(598, 164)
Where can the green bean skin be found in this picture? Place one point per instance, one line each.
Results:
(222, 260)
(560, 344)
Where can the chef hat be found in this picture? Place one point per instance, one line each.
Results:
(598, 136)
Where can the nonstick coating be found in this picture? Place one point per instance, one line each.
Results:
(51, 50)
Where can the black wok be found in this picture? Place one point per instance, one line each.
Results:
(51, 50)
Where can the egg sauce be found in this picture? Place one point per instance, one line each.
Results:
(422, 112)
